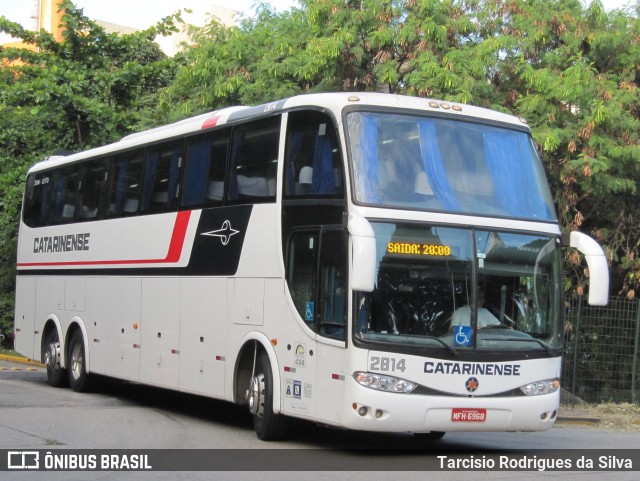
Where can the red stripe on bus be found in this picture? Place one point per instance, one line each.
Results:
(173, 254)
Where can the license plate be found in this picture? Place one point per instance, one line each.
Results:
(466, 415)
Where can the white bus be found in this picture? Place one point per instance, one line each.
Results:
(366, 261)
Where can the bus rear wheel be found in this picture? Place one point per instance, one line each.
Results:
(76, 364)
(56, 375)
(268, 425)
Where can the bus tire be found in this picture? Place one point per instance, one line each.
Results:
(77, 363)
(268, 425)
(51, 356)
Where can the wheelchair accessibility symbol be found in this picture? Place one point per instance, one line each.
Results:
(463, 336)
(309, 313)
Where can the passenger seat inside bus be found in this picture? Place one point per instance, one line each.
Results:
(67, 211)
(130, 206)
(215, 190)
(305, 181)
(252, 186)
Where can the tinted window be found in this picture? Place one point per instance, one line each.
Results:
(63, 195)
(205, 169)
(313, 166)
(125, 184)
(162, 177)
(254, 161)
(93, 189)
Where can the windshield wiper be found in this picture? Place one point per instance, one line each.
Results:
(451, 349)
(544, 345)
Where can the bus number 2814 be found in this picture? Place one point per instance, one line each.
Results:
(387, 364)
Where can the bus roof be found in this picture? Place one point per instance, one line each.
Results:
(332, 101)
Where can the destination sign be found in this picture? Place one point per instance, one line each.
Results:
(418, 249)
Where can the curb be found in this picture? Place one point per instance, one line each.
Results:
(576, 418)
(20, 360)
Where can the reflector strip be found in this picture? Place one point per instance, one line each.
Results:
(338, 377)
(219, 358)
(289, 369)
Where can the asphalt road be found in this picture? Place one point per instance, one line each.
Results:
(120, 415)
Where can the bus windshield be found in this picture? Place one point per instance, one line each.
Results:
(463, 289)
(435, 164)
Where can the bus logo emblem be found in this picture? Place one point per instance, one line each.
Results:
(224, 233)
(471, 384)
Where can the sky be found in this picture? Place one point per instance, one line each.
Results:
(144, 13)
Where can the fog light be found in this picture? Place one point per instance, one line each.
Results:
(378, 413)
(363, 411)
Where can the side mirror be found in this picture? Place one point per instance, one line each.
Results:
(597, 263)
(363, 253)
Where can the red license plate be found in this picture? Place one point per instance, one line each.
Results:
(465, 415)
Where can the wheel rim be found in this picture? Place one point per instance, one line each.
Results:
(76, 360)
(256, 395)
(52, 355)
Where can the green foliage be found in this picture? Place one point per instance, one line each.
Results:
(82, 92)
(572, 71)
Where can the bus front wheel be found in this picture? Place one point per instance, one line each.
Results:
(268, 425)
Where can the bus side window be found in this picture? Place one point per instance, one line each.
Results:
(36, 207)
(93, 189)
(313, 166)
(205, 169)
(161, 177)
(125, 180)
(302, 273)
(63, 195)
(254, 161)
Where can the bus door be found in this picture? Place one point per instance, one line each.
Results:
(316, 277)
(332, 323)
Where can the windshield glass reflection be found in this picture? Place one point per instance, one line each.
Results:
(446, 165)
(463, 288)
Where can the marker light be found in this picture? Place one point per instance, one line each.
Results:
(380, 382)
(541, 387)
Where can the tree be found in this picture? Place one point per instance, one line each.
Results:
(84, 91)
(572, 71)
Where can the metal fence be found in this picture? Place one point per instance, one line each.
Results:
(601, 350)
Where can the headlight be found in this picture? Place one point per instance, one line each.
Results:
(541, 387)
(380, 382)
